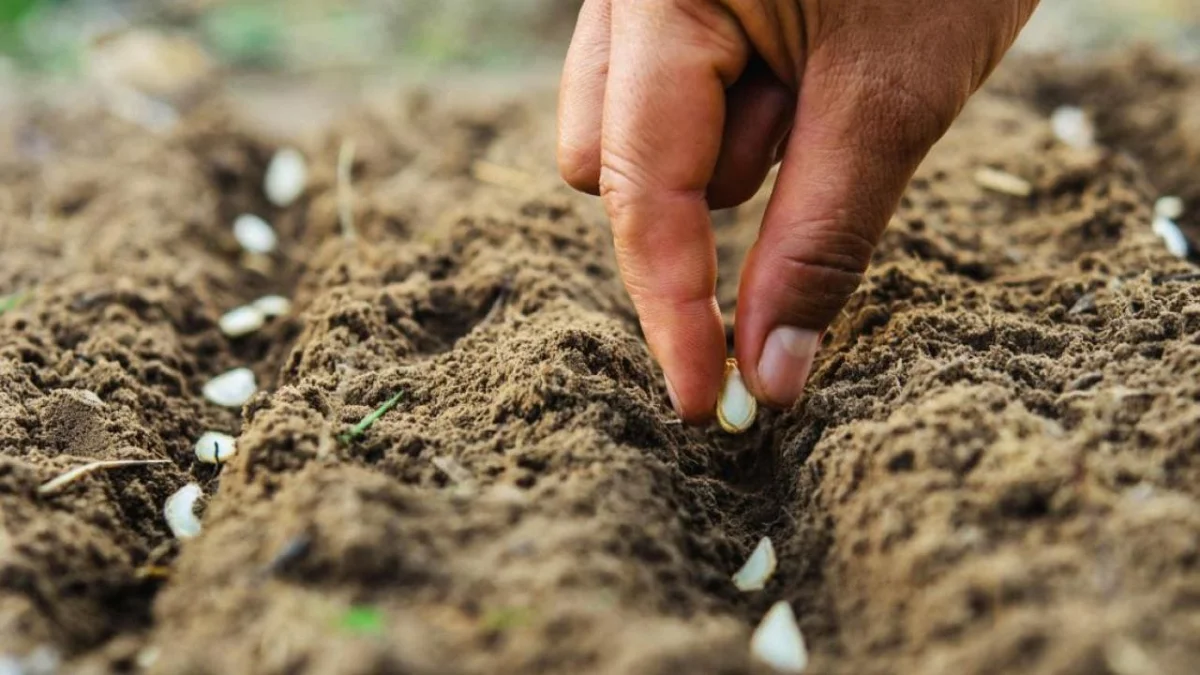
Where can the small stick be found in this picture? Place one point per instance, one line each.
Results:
(361, 428)
(500, 175)
(56, 484)
(345, 190)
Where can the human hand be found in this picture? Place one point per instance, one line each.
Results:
(669, 108)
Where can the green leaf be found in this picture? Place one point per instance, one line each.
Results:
(363, 620)
(361, 428)
(12, 301)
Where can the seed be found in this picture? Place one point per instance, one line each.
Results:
(255, 234)
(287, 176)
(736, 407)
(1001, 181)
(215, 447)
(241, 321)
(231, 389)
(1169, 207)
(777, 641)
(179, 514)
(1172, 236)
(1072, 126)
(273, 305)
(758, 569)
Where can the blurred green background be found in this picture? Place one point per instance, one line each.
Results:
(306, 36)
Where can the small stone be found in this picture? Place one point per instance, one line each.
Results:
(241, 321)
(777, 641)
(1072, 126)
(287, 176)
(215, 447)
(1169, 207)
(255, 234)
(231, 389)
(273, 305)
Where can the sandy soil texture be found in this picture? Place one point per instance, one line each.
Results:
(993, 469)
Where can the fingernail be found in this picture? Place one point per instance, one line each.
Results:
(674, 398)
(787, 358)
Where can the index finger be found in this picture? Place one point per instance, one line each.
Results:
(663, 118)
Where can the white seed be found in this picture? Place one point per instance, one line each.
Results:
(1169, 207)
(1172, 236)
(255, 234)
(231, 389)
(179, 514)
(287, 176)
(1003, 182)
(777, 641)
(736, 407)
(273, 305)
(1072, 126)
(759, 567)
(215, 447)
(241, 321)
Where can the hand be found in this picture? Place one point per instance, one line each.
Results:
(669, 108)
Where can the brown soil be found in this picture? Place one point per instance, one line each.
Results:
(992, 471)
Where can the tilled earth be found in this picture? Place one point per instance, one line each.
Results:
(994, 468)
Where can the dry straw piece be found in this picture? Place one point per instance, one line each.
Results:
(55, 484)
(1003, 182)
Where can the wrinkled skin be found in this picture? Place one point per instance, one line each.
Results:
(670, 108)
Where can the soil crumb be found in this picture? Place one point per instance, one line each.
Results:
(992, 469)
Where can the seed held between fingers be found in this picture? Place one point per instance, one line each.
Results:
(736, 406)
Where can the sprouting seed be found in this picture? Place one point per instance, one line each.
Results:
(287, 176)
(361, 428)
(241, 321)
(59, 482)
(255, 234)
(231, 389)
(759, 567)
(181, 517)
(736, 406)
(1169, 207)
(215, 447)
(778, 642)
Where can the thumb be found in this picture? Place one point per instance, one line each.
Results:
(862, 127)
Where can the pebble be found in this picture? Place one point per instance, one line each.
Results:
(287, 176)
(273, 305)
(255, 234)
(231, 389)
(777, 641)
(241, 321)
(215, 447)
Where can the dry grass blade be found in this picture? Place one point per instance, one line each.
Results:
(345, 190)
(499, 175)
(55, 484)
(361, 428)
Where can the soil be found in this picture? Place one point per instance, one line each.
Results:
(993, 469)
